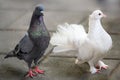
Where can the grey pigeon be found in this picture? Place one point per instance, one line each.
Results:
(33, 45)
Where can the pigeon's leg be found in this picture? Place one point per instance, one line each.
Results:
(93, 70)
(102, 65)
(30, 72)
(36, 69)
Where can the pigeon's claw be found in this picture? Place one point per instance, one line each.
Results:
(98, 71)
(30, 74)
(104, 67)
(37, 70)
(94, 70)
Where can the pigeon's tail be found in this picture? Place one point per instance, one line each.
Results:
(68, 37)
(13, 53)
(10, 54)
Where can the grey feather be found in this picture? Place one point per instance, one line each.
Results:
(26, 44)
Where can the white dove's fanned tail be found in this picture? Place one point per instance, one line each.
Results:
(68, 37)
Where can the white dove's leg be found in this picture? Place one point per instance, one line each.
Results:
(102, 65)
(93, 70)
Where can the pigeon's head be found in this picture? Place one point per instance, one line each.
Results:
(39, 9)
(97, 14)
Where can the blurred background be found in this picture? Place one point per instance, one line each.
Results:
(15, 16)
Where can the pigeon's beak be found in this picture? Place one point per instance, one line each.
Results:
(104, 16)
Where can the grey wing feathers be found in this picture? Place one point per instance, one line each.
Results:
(25, 44)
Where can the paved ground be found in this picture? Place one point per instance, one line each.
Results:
(15, 17)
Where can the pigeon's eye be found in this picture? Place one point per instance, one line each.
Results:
(99, 14)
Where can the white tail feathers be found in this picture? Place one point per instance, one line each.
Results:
(67, 37)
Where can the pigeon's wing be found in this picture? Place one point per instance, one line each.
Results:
(25, 45)
(67, 37)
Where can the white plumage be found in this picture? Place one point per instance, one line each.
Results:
(91, 46)
(67, 36)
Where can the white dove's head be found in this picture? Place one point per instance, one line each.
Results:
(97, 14)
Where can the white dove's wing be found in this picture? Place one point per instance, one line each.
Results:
(68, 37)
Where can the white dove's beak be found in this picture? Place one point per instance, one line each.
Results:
(104, 16)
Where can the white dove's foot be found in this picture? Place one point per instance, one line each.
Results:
(105, 67)
(102, 65)
(93, 70)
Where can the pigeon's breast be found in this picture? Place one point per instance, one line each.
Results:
(103, 41)
(37, 32)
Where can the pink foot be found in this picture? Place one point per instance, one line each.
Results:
(104, 67)
(30, 74)
(97, 66)
(37, 70)
(98, 71)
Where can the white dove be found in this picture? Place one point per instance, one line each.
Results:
(91, 46)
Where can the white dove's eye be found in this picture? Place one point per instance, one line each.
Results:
(99, 14)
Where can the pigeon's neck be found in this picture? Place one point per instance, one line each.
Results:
(37, 23)
(42, 22)
(95, 27)
(37, 27)
(99, 36)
